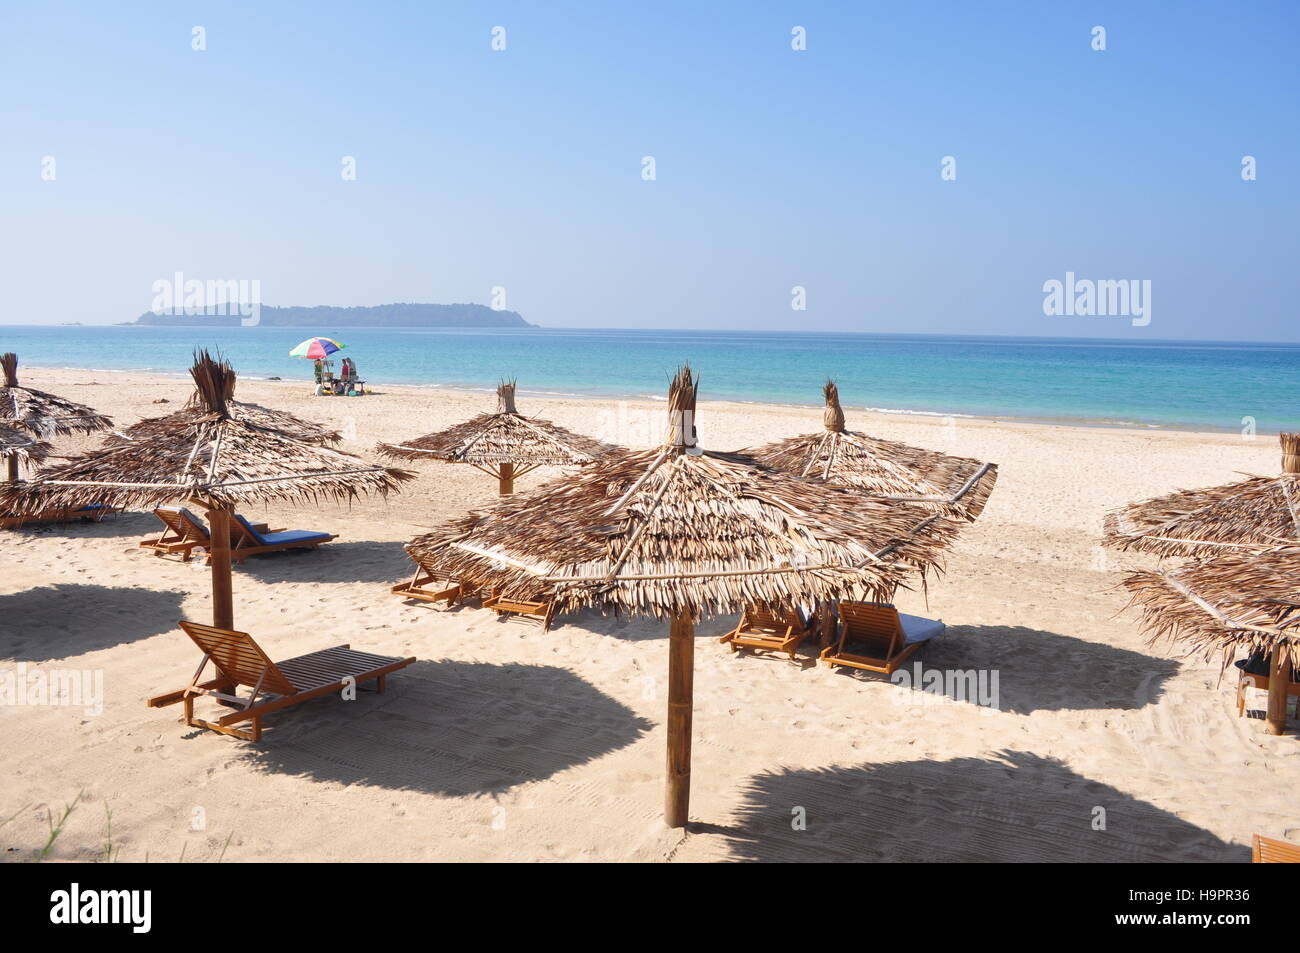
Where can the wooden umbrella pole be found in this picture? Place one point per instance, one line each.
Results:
(507, 482)
(223, 598)
(1279, 676)
(681, 679)
(1279, 669)
(824, 624)
(13, 469)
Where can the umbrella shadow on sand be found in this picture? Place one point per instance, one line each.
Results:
(54, 622)
(339, 561)
(1016, 806)
(110, 527)
(451, 728)
(1041, 671)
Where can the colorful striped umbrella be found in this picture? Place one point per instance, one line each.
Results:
(317, 348)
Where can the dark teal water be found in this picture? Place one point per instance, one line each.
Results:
(1200, 385)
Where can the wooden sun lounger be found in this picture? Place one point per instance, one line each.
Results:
(92, 513)
(429, 585)
(240, 661)
(184, 533)
(543, 611)
(249, 540)
(764, 630)
(879, 643)
(1266, 850)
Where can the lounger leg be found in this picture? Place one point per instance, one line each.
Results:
(189, 710)
(381, 683)
(256, 734)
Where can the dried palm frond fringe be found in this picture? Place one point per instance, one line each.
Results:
(43, 414)
(882, 469)
(506, 436)
(288, 424)
(16, 444)
(1249, 515)
(679, 529)
(1247, 601)
(213, 456)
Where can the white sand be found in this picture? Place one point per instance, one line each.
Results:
(505, 743)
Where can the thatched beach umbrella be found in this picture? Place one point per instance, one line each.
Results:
(214, 460)
(882, 469)
(44, 415)
(1245, 601)
(1249, 515)
(678, 532)
(504, 445)
(19, 445)
(281, 421)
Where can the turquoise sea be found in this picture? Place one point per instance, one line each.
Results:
(1210, 386)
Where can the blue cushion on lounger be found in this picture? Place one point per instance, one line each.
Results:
(289, 536)
(197, 523)
(91, 506)
(275, 539)
(292, 536)
(917, 629)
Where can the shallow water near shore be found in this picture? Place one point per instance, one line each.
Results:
(1204, 386)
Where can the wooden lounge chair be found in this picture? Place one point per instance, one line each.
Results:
(1258, 680)
(184, 533)
(249, 540)
(1266, 850)
(542, 610)
(430, 585)
(93, 512)
(877, 638)
(762, 629)
(240, 661)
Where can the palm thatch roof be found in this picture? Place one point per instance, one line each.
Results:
(16, 444)
(1252, 514)
(882, 469)
(214, 456)
(43, 414)
(489, 440)
(1226, 603)
(680, 530)
(283, 422)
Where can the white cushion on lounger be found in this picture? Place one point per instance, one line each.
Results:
(917, 629)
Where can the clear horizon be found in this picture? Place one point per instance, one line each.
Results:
(523, 168)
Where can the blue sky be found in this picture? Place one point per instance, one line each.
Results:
(775, 168)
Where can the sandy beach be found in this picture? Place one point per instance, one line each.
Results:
(506, 743)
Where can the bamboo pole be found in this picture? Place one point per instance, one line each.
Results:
(1279, 675)
(824, 625)
(507, 481)
(1279, 669)
(681, 678)
(223, 599)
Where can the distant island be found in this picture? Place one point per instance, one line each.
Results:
(378, 316)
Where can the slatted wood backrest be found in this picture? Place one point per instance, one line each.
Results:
(428, 568)
(1265, 850)
(238, 657)
(761, 617)
(876, 626)
(180, 523)
(191, 525)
